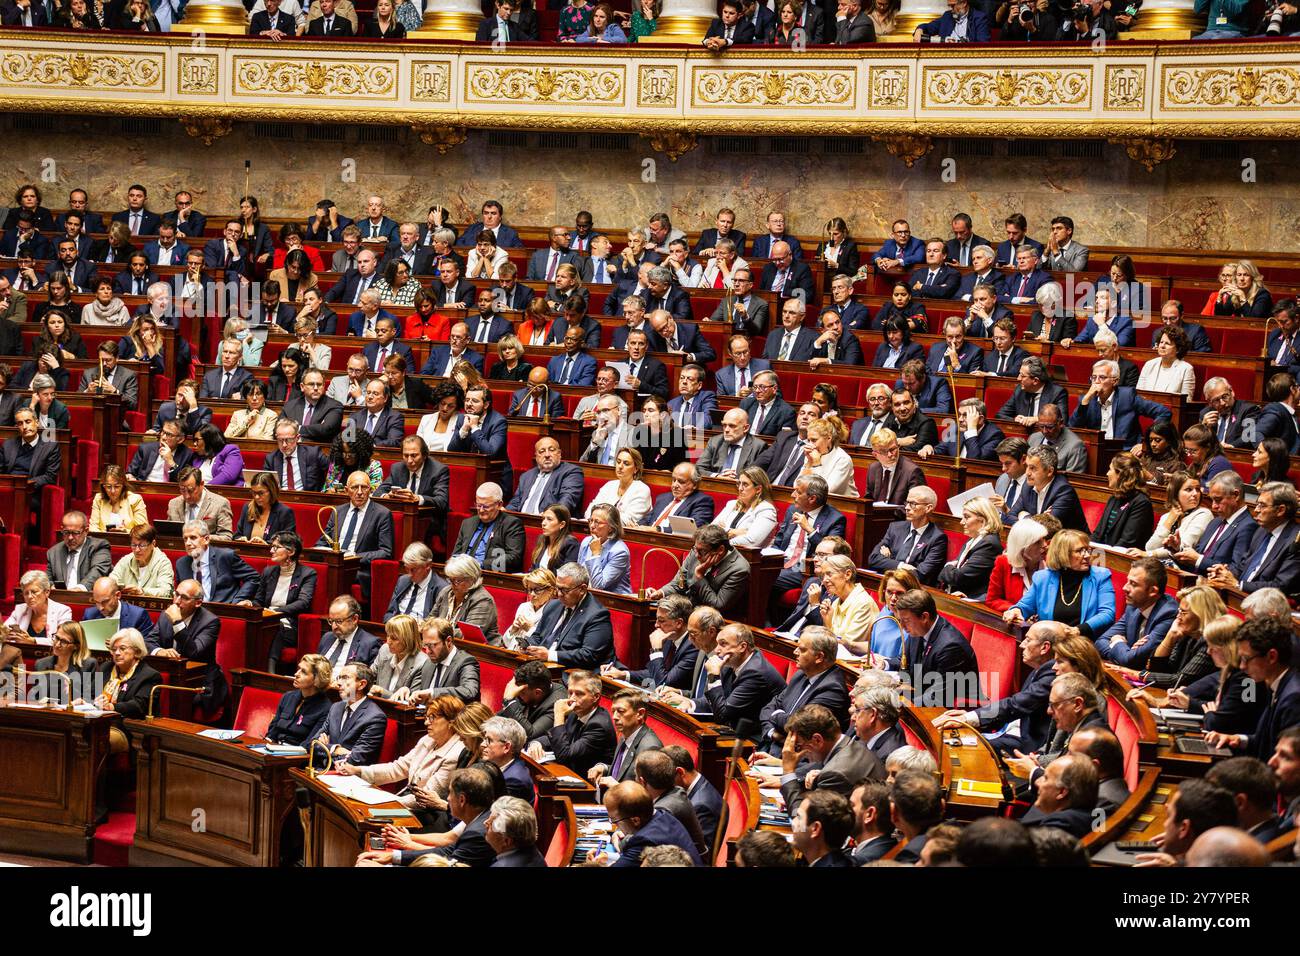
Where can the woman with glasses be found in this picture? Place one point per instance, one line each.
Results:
(1204, 454)
(287, 588)
(539, 585)
(465, 598)
(848, 609)
(36, 616)
(604, 553)
(1222, 696)
(115, 507)
(71, 657)
(146, 569)
(1071, 589)
(255, 420)
(264, 514)
(401, 665)
(883, 641)
(556, 547)
(1183, 656)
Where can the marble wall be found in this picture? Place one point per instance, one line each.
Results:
(1189, 202)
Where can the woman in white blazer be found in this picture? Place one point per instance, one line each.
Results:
(750, 518)
(851, 608)
(1167, 372)
(626, 491)
(824, 456)
(37, 616)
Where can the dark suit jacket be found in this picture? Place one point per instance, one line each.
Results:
(1021, 402)
(848, 765)
(1074, 821)
(371, 352)
(679, 805)
(580, 746)
(800, 351)
(365, 646)
(738, 699)
(565, 486)
(742, 33)
(970, 280)
(983, 446)
(780, 415)
(232, 578)
(948, 653)
(1015, 357)
(490, 439)
(972, 576)
(724, 586)
(906, 477)
(133, 694)
(310, 469)
(211, 387)
(281, 519)
(927, 555)
(716, 452)
(970, 358)
(44, 468)
(1282, 711)
(146, 456)
(652, 374)
(1126, 407)
(828, 522)
(298, 721)
(953, 247)
(341, 27)
(1066, 327)
(1135, 651)
(128, 615)
(846, 351)
(1027, 705)
(944, 286)
(674, 666)
(197, 641)
(1281, 569)
(1275, 420)
(1231, 546)
(302, 590)
(505, 543)
(538, 720)
(364, 733)
(800, 278)
(389, 427)
(373, 540)
(709, 237)
(1237, 417)
(698, 506)
(433, 585)
(1061, 500)
(1130, 522)
(586, 640)
(433, 486)
(94, 561)
(827, 689)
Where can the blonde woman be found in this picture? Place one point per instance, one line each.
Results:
(318, 353)
(1222, 697)
(401, 663)
(823, 456)
(300, 715)
(1246, 295)
(1071, 589)
(968, 574)
(115, 507)
(428, 766)
(750, 518)
(848, 609)
(1183, 657)
(539, 585)
(71, 657)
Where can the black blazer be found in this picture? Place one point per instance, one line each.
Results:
(505, 544)
(568, 552)
(310, 471)
(133, 695)
(342, 27)
(743, 32)
(1125, 523)
(326, 420)
(46, 459)
(435, 480)
(972, 577)
(281, 519)
(395, 30)
(580, 746)
(1066, 327)
(663, 450)
(298, 720)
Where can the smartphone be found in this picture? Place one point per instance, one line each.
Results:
(376, 842)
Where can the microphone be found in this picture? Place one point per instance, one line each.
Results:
(1004, 773)
(170, 688)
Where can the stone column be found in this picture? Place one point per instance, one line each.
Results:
(1163, 20)
(450, 19)
(910, 16)
(224, 17)
(682, 21)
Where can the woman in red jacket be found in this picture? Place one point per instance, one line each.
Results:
(1026, 548)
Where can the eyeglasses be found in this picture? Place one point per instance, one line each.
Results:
(539, 589)
(72, 533)
(569, 590)
(140, 545)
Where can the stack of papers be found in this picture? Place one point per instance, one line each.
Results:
(354, 788)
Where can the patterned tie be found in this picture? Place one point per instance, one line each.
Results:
(796, 555)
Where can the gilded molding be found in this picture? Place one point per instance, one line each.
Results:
(889, 87)
(907, 146)
(1212, 87)
(1046, 87)
(1126, 87)
(209, 129)
(265, 76)
(443, 138)
(675, 144)
(493, 83)
(124, 72)
(199, 74)
(826, 86)
(431, 81)
(656, 85)
(1150, 151)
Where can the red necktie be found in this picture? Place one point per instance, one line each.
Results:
(288, 474)
(672, 506)
(1024, 281)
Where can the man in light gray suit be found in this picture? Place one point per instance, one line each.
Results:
(350, 390)
(115, 380)
(612, 434)
(1071, 452)
(78, 560)
(728, 454)
(1063, 254)
(841, 763)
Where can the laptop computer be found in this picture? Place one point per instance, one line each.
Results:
(168, 529)
(98, 631)
(680, 524)
(251, 473)
(472, 632)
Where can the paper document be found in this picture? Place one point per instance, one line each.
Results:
(957, 502)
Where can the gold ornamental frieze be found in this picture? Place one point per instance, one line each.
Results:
(92, 71)
(265, 77)
(1219, 87)
(1040, 87)
(431, 81)
(814, 87)
(505, 82)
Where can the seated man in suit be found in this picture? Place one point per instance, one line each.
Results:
(109, 606)
(136, 278)
(645, 373)
(416, 588)
(873, 832)
(913, 543)
(935, 279)
(914, 431)
(187, 629)
(713, 575)
(891, 477)
(728, 454)
(491, 536)
(355, 726)
(794, 342)
(982, 273)
(509, 292)
(612, 432)
(227, 258)
(1226, 414)
(673, 655)
(450, 290)
(985, 311)
(817, 681)
(452, 671)
(806, 522)
(1227, 538)
(582, 734)
(1282, 347)
(931, 392)
(503, 741)
(632, 307)
(110, 378)
(874, 713)
(221, 574)
(656, 772)
(385, 345)
(1022, 286)
(298, 467)
(574, 366)
(853, 315)
(680, 337)
(163, 459)
(685, 500)
(938, 658)
(575, 630)
(1113, 409)
(78, 560)
(492, 215)
(379, 419)
(744, 311)
(481, 429)
(361, 527)
(418, 477)
(551, 481)
(768, 413)
(627, 708)
(330, 24)
(499, 29)
(1005, 357)
(694, 405)
(1271, 664)
(979, 436)
(198, 502)
(836, 345)
(1148, 614)
(955, 353)
(1049, 490)
(880, 414)
(915, 805)
(1034, 389)
(787, 276)
(814, 735)
(345, 642)
(728, 29)
(1016, 228)
(529, 699)
(1067, 794)
(644, 825)
(443, 359)
(1273, 557)
(740, 683)
(273, 23)
(964, 241)
(1277, 419)
(901, 251)
(229, 377)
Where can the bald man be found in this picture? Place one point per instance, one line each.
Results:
(187, 629)
(1227, 846)
(730, 453)
(537, 398)
(552, 481)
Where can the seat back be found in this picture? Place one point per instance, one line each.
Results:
(256, 710)
(736, 807)
(557, 849)
(388, 751)
(1126, 729)
(492, 681)
(997, 655)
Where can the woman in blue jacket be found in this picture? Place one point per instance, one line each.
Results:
(604, 553)
(1070, 589)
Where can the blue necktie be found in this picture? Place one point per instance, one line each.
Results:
(349, 529)
(478, 544)
(564, 372)
(1256, 559)
(600, 271)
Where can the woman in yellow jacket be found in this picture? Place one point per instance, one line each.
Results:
(847, 607)
(114, 508)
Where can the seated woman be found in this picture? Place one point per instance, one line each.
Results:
(71, 657)
(1105, 315)
(146, 569)
(1168, 372)
(1205, 457)
(58, 298)
(255, 420)
(291, 235)
(184, 407)
(1183, 657)
(286, 587)
(539, 585)
(1272, 462)
(1183, 522)
(556, 545)
(78, 15)
(56, 330)
(50, 411)
(251, 353)
(535, 329)
(45, 363)
(1227, 282)
(285, 380)
(823, 456)
(447, 399)
(397, 289)
(426, 323)
(115, 507)
(401, 667)
(1129, 295)
(1070, 589)
(485, 258)
(883, 641)
(319, 355)
(902, 306)
(349, 456)
(138, 17)
(264, 515)
(385, 25)
(574, 20)
(600, 29)
(1222, 696)
(968, 574)
(1161, 451)
(297, 274)
(465, 599)
(510, 365)
(1075, 654)
(898, 346)
(300, 715)
(848, 609)
(36, 616)
(604, 553)
(1246, 295)
(428, 766)
(1050, 321)
(127, 683)
(626, 491)
(105, 308)
(220, 461)
(1128, 518)
(783, 31)
(466, 376)
(144, 343)
(660, 441)
(750, 518)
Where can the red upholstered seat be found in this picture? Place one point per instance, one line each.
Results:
(1126, 729)
(941, 485)
(256, 710)
(659, 568)
(912, 739)
(508, 601)
(963, 625)
(492, 681)
(1117, 579)
(383, 582)
(621, 623)
(559, 845)
(783, 665)
(737, 810)
(997, 655)
(956, 541)
(388, 751)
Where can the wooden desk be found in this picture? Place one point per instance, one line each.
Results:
(55, 763)
(961, 757)
(1145, 821)
(243, 796)
(337, 827)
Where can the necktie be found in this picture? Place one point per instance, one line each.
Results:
(306, 415)
(965, 253)
(685, 414)
(796, 553)
(889, 483)
(71, 576)
(600, 270)
(198, 578)
(329, 24)
(410, 604)
(618, 760)
(929, 281)
(551, 265)
(379, 358)
(225, 380)
(559, 626)
(531, 506)
(1256, 562)
(759, 413)
(743, 379)
(779, 283)
(701, 681)
(288, 474)
(371, 421)
(564, 372)
(729, 29)
(731, 458)
(633, 369)
(363, 283)
(349, 530)
(412, 480)
(437, 676)
(663, 515)
(135, 224)
(792, 464)
(1024, 281)
(1002, 364)
(533, 408)
(909, 545)
(787, 343)
(194, 513)
(1223, 428)
(481, 332)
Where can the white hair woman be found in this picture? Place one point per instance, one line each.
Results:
(465, 599)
